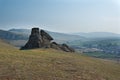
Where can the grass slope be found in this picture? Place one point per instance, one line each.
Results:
(49, 64)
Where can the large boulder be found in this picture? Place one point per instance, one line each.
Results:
(55, 45)
(46, 39)
(34, 41)
(66, 48)
(63, 47)
(41, 39)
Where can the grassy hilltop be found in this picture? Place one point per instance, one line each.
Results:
(49, 64)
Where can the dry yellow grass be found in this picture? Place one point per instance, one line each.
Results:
(49, 64)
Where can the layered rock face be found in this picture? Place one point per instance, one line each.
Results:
(41, 39)
(34, 41)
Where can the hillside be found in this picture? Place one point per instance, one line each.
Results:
(11, 36)
(49, 64)
(99, 35)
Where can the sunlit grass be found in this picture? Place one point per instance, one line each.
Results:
(49, 64)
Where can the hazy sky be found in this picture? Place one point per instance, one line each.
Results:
(61, 15)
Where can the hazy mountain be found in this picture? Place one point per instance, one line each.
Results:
(73, 36)
(11, 36)
(98, 34)
(60, 37)
(18, 37)
(20, 31)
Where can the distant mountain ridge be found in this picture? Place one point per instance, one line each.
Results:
(11, 36)
(20, 31)
(56, 35)
(18, 37)
(98, 34)
(71, 36)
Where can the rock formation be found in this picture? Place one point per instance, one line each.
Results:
(41, 39)
(54, 45)
(34, 41)
(66, 48)
(46, 39)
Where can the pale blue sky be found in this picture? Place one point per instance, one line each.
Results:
(61, 15)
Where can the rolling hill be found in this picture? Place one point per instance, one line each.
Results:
(98, 35)
(11, 36)
(75, 36)
(49, 64)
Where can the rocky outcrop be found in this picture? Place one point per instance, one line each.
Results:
(66, 48)
(34, 41)
(63, 47)
(55, 45)
(41, 39)
(46, 39)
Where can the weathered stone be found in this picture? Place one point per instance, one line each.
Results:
(46, 39)
(34, 41)
(66, 48)
(62, 47)
(41, 39)
(54, 45)
(43, 33)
